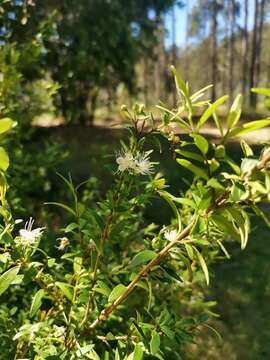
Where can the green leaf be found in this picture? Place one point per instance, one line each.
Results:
(190, 155)
(201, 143)
(154, 343)
(248, 164)
(180, 84)
(70, 227)
(170, 200)
(36, 303)
(215, 184)
(138, 352)
(246, 149)
(203, 265)
(167, 331)
(224, 224)
(223, 249)
(67, 208)
(237, 192)
(195, 169)
(117, 291)
(66, 289)
(261, 91)
(4, 159)
(7, 278)
(211, 110)
(235, 112)
(141, 258)
(189, 250)
(232, 164)
(6, 124)
(200, 93)
(77, 265)
(249, 127)
(102, 288)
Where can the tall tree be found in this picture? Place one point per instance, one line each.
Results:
(203, 12)
(260, 39)
(256, 48)
(91, 45)
(232, 9)
(245, 48)
(214, 48)
(174, 47)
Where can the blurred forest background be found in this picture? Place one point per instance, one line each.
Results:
(95, 55)
(75, 62)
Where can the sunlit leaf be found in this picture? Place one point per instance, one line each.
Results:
(195, 169)
(4, 159)
(203, 265)
(211, 110)
(36, 302)
(249, 127)
(7, 278)
(117, 291)
(142, 257)
(154, 343)
(6, 124)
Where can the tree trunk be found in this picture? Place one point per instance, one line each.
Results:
(174, 55)
(245, 50)
(231, 47)
(252, 79)
(259, 47)
(214, 49)
(93, 106)
(145, 80)
(186, 43)
(268, 69)
(160, 63)
(82, 105)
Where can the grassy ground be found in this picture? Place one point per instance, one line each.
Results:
(241, 286)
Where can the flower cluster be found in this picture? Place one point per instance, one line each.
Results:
(139, 164)
(28, 236)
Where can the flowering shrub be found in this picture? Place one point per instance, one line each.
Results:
(111, 285)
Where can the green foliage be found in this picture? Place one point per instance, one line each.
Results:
(86, 46)
(110, 285)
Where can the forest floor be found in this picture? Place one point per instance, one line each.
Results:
(241, 285)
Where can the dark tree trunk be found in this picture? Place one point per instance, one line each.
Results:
(245, 50)
(93, 106)
(256, 50)
(260, 38)
(160, 62)
(214, 48)
(186, 43)
(252, 77)
(174, 54)
(231, 47)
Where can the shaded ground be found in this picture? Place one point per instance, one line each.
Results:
(241, 286)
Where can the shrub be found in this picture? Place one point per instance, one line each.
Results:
(116, 286)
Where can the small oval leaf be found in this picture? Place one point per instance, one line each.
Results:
(36, 303)
(4, 159)
(142, 258)
(117, 292)
(7, 278)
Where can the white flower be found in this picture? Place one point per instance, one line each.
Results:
(125, 162)
(59, 332)
(144, 166)
(28, 330)
(170, 235)
(28, 236)
(64, 242)
(139, 164)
